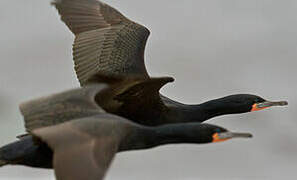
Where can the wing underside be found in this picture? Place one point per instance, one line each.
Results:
(78, 154)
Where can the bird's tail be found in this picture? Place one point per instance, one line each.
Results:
(26, 152)
(10, 153)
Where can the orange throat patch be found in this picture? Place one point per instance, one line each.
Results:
(255, 108)
(216, 138)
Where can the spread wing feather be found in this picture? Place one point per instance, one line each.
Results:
(106, 42)
(58, 108)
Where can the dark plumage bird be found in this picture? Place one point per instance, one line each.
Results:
(108, 43)
(72, 134)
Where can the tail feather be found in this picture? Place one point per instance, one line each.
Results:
(26, 152)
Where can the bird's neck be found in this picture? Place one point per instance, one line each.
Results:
(149, 137)
(179, 112)
(209, 110)
(199, 112)
(218, 107)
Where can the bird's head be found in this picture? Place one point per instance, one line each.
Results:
(248, 103)
(221, 134)
(208, 133)
(240, 103)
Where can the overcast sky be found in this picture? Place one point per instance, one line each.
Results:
(212, 49)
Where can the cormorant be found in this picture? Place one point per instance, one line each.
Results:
(69, 132)
(108, 43)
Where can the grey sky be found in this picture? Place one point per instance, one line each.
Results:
(212, 48)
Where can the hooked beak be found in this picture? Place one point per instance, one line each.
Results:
(218, 137)
(267, 104)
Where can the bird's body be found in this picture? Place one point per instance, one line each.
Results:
(69, 132)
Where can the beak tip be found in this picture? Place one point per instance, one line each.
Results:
(284, 103)
(250, 136)
(242, 135)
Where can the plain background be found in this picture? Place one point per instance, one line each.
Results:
(212, 48)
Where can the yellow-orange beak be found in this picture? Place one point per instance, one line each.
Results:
(219, 137)
(267, 104)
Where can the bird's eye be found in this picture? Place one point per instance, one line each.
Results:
(257, 100)
(217, 130)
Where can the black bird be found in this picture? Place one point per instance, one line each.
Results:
(108, 43)
(72, 134)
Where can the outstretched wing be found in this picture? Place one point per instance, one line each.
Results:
(106, 42)
(61, 107)
(78, 154)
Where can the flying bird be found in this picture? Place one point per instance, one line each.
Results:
(69, 132)
(108, 43)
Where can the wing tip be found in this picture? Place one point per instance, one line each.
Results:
(23, 106)
(55, 2)
(163, 80)
(169, 79)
